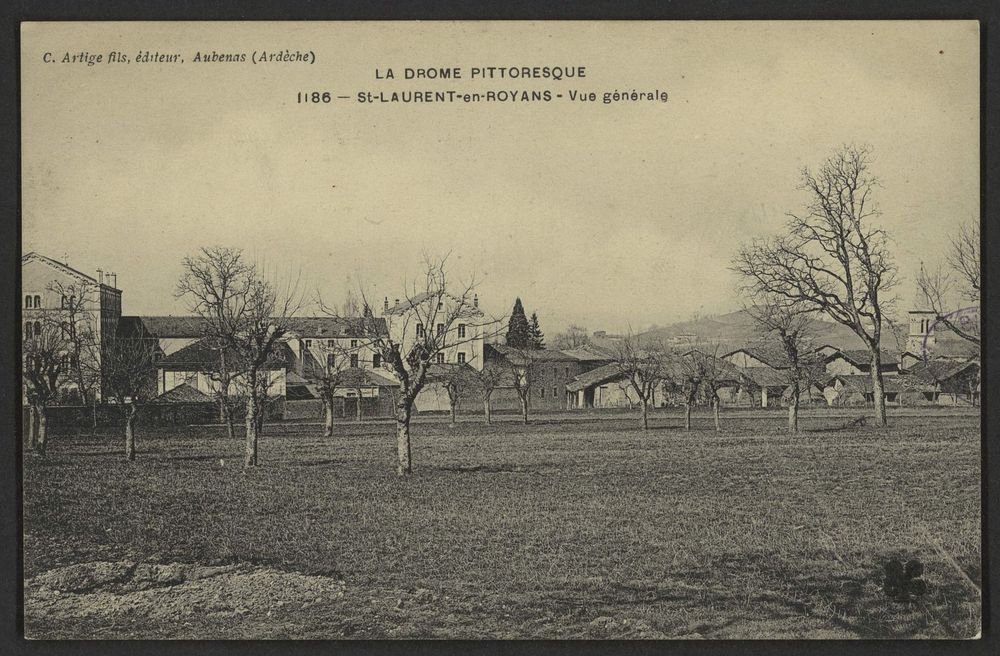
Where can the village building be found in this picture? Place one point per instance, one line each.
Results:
(97, 299)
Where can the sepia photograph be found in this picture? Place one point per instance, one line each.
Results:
(493, 330)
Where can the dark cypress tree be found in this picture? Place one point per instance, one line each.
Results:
(518, 330)
(535, 335)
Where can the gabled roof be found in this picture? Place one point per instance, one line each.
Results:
(438, 371)
(357, 376)
(64, 268)
(172, 326)
(767, 376)
(183, 393)
(772, 357)
(861, 357)
(522, 355)
(328, 327)
(935, 371)
(599, 376)
(417, 299)
(863, 383)
(200, 356)
(588, 354)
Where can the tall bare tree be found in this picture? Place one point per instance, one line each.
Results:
(485, 381)
(457, 380)
(265, 321)
(787, 324)
(644, 368)
(130, 377)
(216, 283)
(45, 369)
(941, 289)
(522, 372)
(833, 259)
(413, 334)
(78, 323)
(329, 377)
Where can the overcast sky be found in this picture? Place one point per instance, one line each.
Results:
(603, 215)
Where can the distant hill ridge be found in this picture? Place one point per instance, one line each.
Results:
(736, 329)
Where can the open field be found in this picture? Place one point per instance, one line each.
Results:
(565, 528)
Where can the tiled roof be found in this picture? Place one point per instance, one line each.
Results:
(172, 326)
(521, 355)
(593, 377)
(199, 356)
(183, 393)
(417, 299)
(863, 383)
(588, 354)
(861, 357)
(934, 371)
(772, 357)
(324, 327)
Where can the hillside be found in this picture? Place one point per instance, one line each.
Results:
(735, 329)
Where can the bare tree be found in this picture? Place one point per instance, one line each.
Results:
(216, 283)
(788, 324)
(643, 368)
(833, 260)
(685, 379)
(521, 367)
(130, 377)
(264, 324)
(412, 336)
(574, 337)
(329, 377)
(485, 381)
(45, 369)
(941, 289)
(457, 380)
(77, 322)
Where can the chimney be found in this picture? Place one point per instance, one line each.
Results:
(475, 300)
(100, 276)
(396, 302)
(385, 308)
(114, 279)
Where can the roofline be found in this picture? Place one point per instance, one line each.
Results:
(62, 265)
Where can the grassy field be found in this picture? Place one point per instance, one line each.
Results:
(564, 528)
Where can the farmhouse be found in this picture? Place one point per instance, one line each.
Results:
(549, 371)
(944, 381)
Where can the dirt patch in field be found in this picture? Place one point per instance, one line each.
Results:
(100, 597)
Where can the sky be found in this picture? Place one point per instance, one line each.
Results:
(609, 216)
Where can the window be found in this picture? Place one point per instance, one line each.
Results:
(440, 358)
(27, 302)
(27, 329)
(38, 327)
(38, 301)
(440, 329)
(440, 305)
(331, 360)
(420, 330)
(461, 358)
(63, 302)
(309, 343)
(555, 392)
(541, 392)
(329, 343)
(461, 330)
(567, 373)
(376, 360)
(354, 359)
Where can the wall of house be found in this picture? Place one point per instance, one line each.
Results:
(842, 367)
(742, 359)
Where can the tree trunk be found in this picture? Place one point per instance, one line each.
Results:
(41, 442)
(130, 433)
(404, 464)
(250, 446)
(328, 417)
(793, 410)
(687, 416)
(32, 435)
(878, 395)
(93, 416)
(453, 406)
(487, 408)
(357, 416)
(645, 414)
(715, 413)
(524, 409)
